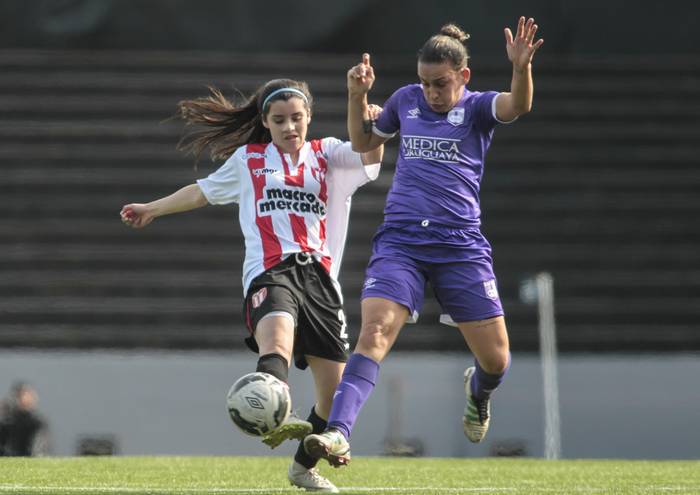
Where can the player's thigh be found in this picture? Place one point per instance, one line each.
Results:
(327, 375)
(488, 341)
(275, 334)
(271, 315)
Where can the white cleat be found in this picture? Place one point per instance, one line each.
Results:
(476, 412)
(330, 445)
(292, 428)
(309, 479)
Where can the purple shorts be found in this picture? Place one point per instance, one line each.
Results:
(456, 262)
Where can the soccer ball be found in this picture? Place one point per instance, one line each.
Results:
(258, 403)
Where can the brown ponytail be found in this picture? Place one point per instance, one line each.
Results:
(227, 126)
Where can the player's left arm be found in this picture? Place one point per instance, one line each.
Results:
(520, 48)
(375, 155)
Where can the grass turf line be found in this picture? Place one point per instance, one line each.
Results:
(258, 475)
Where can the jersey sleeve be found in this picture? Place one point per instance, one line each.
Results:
(388, 123)
(224, 185)
(484, 110)
(346, 172)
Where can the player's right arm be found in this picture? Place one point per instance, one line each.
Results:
(360, 81)
(138, 215)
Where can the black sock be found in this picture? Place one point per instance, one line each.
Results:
(274, 364)
(319, 425)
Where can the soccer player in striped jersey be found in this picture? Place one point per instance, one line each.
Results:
(294, 201)
(431, 222)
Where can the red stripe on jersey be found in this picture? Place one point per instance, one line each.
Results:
(326, 263)
(299, 230)
(289, 179)
(272, 249)
(323, 193)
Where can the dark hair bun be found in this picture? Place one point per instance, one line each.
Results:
(454, 31)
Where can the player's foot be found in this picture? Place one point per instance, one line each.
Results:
(292, 428)
(330, 445)
(309, 479)
(476, 412)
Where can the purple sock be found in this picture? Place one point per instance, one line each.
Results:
(358, 381)
(483, 384)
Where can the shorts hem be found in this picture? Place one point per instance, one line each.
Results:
(411, 311)
(335, 359)
(446, 319)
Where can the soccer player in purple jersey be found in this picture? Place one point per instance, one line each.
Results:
(431, 223)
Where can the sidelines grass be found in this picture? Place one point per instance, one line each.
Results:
(258, 475)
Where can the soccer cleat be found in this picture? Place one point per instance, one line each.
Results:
(292, 428)
(309, 479)
(476, 412)
(330, 445)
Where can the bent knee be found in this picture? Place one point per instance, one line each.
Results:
(373, 336)
(374, 341)
(496, 364)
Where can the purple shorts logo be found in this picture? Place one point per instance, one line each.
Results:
(369, 283)
(491, 290)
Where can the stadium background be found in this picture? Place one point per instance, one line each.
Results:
(598, 185)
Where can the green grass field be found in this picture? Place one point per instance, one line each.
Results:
(257, 475)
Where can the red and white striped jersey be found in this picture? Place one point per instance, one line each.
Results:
(286, 209)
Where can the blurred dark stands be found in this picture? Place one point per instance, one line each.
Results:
(599, 186)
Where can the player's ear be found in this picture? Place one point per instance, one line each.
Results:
(466, 74)
(263, 118)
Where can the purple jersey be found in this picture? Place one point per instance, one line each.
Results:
(441, 157)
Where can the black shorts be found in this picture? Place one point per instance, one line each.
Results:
(300, 286)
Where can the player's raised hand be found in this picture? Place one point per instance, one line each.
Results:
(521, 48)
(361, 77)
(136, 215)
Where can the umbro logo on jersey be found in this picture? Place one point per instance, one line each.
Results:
(413, 113)
(257, 172)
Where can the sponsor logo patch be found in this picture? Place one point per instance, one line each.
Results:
(293, 201)
(258, 297)
(430, 148)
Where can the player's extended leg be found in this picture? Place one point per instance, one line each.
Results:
(382, 320)
(275, 338)
(302, 471)
(488, 341)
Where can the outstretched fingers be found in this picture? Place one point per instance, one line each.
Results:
(537, 44)
(509, 36)
(531, 32)
(521, 27)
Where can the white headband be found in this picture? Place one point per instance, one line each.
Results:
(285, 90)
